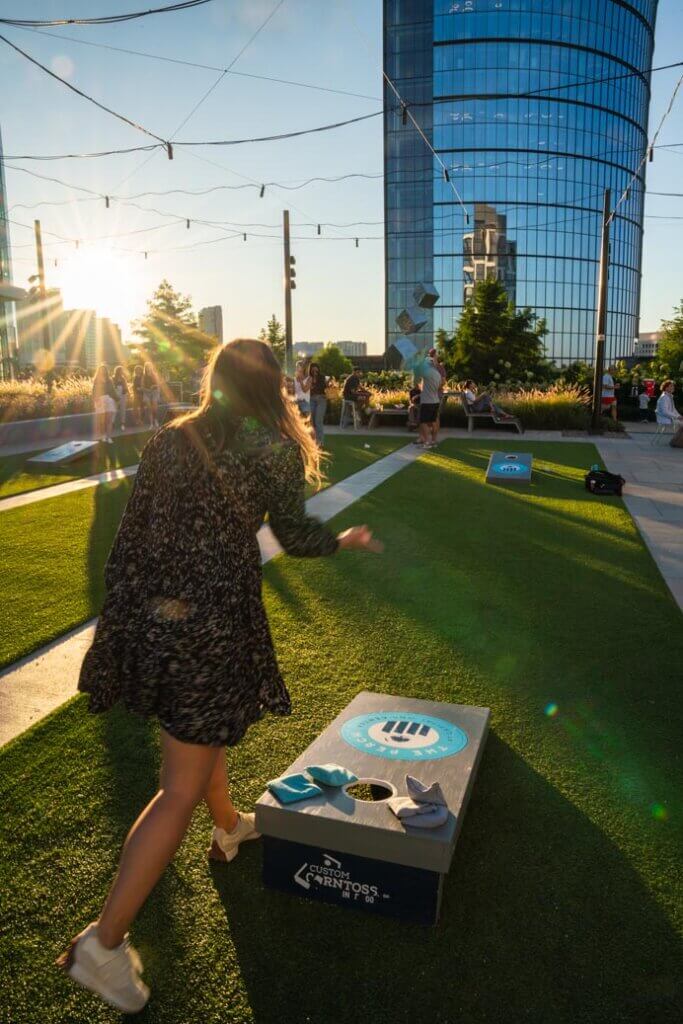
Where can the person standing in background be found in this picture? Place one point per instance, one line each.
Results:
(318, 402)
(609, 396)
(302, 387)
(104, 401)
(138, 396)
(644, 406)
(122, 393)
(151, 392)
(430, 402)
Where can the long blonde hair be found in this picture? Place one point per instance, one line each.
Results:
(243, 379)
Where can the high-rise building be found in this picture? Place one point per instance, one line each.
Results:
(352, 348)
(7, 328)
(40, 329)
(535, 107)
(211, 322)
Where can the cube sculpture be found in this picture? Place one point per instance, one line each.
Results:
(408, 352)
(353, 852)
(509, 468)
(425, 295)
(412, 320)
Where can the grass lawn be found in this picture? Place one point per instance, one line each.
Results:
(57, 548)
(17, 476)
(561, 904)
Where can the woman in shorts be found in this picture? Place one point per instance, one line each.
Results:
(104, 401)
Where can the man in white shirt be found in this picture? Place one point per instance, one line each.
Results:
(609, 398)
(430, 402)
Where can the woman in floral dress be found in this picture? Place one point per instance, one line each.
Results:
(183, 635)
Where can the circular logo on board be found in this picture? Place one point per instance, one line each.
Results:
(508, 467)
(409, 737)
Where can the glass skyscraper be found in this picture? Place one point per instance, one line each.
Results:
(535, 107)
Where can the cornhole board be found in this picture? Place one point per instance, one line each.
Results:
(354, 853)
(509, 468)
(65, 453)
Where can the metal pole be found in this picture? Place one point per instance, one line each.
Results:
(288, 295)
(42, 291)
(601, 319)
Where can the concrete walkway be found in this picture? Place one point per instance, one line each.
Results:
(39, 683)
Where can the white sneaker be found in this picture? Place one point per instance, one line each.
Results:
(113, 974)
(225, 845)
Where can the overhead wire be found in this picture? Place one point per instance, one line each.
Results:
(105, 19)
(84, 95)
(205, 67)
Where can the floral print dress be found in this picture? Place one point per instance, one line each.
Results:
(183, 633)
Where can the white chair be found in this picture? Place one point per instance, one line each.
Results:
(347, 406)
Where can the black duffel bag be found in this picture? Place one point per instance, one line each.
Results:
(599, 481)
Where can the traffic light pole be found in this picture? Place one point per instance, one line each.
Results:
(288, 295)
(601, 321)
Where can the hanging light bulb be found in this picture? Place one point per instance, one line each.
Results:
(319, 229)
(106, 202)
(244, 237)
(187, 223)
(262, 192)
(356, 243)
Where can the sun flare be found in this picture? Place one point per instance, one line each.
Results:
(100, 279)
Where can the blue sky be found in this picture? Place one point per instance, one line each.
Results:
(338, 45)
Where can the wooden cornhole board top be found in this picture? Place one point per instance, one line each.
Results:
(68, 452)
(444, 744)
(509, 468)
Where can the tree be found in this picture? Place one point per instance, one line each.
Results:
(170, 337)
(670, 348)
(332, 362)
(493, 338)
(274, 335)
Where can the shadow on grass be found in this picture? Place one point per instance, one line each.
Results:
(543, 920)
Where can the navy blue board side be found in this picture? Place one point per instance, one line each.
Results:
(356, 883)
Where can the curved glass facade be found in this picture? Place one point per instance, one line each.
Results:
(535, 107)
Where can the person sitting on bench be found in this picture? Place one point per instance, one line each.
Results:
(483, 403)
(356, 393)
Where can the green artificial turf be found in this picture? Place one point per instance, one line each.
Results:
(17, 475)
(52, 552)
(561, 905)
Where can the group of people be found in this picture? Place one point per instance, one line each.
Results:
(111, 394)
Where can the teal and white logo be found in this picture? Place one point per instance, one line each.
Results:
(409, 737)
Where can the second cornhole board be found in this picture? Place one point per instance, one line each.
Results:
(336, 849)
(509, 468)
(68, 452)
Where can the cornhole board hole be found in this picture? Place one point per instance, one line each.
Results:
(356, 853)
(65, 453)
(509, 468)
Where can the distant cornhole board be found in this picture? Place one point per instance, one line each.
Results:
(355, 852)
(65, 453)
(509, 468)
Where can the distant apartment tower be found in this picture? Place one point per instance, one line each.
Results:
(646, 345)
(40, 328)
(488, 253)
(347, 348)
(7, 329)
(352, 348)
(211, 322)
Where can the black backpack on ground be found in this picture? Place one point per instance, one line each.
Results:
(599, 481)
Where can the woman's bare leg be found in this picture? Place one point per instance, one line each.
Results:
(156, 835)
(217, 796)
